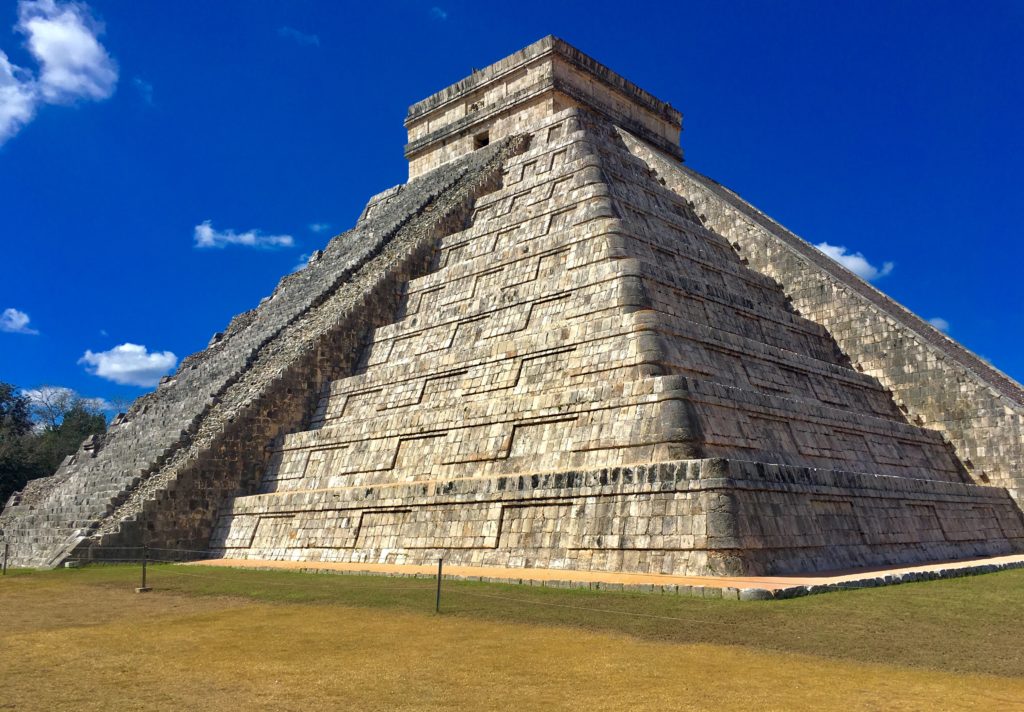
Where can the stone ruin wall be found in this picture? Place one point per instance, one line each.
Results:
(938, 383)
(511, 95)
(694, 517)
(167, 465)
(589, 492)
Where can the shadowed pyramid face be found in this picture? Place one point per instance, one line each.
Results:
(538, 353)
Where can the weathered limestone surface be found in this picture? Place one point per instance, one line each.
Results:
(934, 380)
(710, 516)
(584, 327)
(555, 347)
(507, 97)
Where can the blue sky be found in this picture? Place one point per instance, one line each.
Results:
(164, 164)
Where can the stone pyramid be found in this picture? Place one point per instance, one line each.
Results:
(555, 346)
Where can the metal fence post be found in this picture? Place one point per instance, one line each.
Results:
(144, 588)
(437, 601)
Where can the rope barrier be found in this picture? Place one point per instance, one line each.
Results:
(593, 610)
(178, 572)
(189, 551)
(917, 596)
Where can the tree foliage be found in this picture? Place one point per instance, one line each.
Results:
(36, 435)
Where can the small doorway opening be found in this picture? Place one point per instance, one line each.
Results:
(481, 140)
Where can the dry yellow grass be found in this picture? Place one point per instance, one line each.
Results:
(67, 644)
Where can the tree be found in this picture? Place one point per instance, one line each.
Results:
(15, 412)
(37, 433)
(50, 403)
(55, 442)
(16, 466)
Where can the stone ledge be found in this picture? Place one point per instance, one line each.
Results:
(723, 587)
(540, 48)
(680, 518)
(678, 475)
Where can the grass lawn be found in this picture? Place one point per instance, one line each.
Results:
(233, 639)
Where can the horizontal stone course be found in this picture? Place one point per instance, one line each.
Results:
(602, 514)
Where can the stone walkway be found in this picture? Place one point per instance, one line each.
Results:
(736, 587)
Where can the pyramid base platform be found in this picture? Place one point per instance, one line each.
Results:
(708, 517)
(729, 587)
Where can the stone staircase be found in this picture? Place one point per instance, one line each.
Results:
(118, 480)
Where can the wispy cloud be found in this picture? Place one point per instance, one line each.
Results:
(856, 262)
(207, 237)
(18, 98)
(129, 364)
(16, 322)
(63, 39)
(319, 227)
(939, 323)
(438, 13)
(298, 36)
(145, 90)
(302, 263)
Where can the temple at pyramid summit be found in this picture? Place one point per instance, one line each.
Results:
(556, 346)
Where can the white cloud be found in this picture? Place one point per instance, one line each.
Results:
(298, 36)
(439, 13)
(15, 322)
(47, 395)
(206, 236)
(939, 323)
(856, 262)
(17, 98)
(62, 38)
(129, 364)
(319, 227)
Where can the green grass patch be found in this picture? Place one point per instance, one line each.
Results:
(963, 625)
